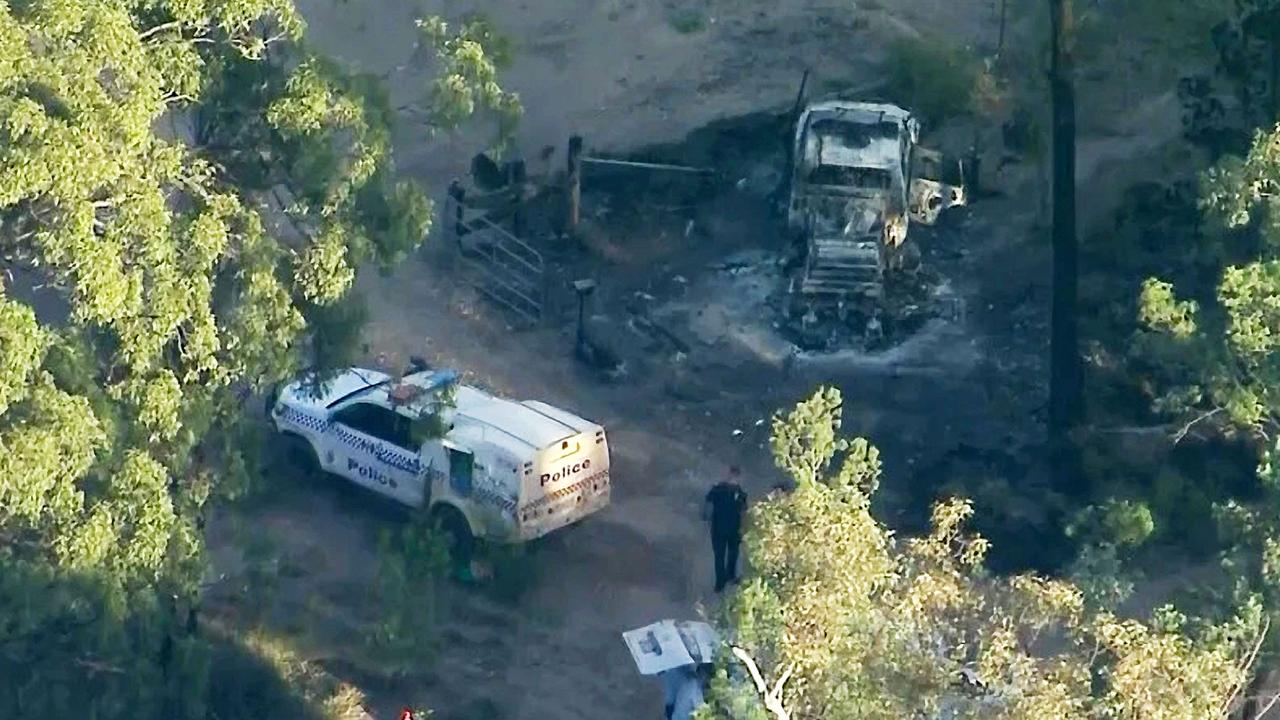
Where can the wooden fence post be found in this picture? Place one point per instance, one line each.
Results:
(458, 196)
(574, 181)
(516, 176)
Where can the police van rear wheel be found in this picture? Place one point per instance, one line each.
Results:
(461, 543)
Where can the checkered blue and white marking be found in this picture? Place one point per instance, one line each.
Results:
(404, 462)
(304, 420)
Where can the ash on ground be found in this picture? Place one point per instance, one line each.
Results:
(699, 266)
(741, 306)
(867, 324)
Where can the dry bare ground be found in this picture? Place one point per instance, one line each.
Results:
(628, 73)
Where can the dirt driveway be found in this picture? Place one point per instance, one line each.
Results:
(630, 73)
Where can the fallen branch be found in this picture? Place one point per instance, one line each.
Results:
(1141, 430)
(1177, 438)
(94, 666)
(1267, 708)
(156, 30)
(772, 698)
(1246, 666)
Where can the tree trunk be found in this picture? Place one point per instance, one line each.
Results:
(573, 179)
(1252, 706)
(1065, 374)
(1004, 9)
(1274, 42)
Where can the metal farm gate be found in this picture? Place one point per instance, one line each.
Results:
(504, 268)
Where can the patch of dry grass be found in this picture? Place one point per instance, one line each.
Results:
(259, 674)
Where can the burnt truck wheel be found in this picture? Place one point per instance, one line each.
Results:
(450, 522)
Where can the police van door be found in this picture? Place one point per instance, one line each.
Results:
(462, 470)
(435, 471)
(377, 452)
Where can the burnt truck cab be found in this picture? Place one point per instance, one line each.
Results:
(858, 178)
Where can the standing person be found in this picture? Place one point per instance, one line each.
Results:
(724, 507)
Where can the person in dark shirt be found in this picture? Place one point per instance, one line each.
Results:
(725, 506)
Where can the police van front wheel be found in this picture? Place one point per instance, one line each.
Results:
(301, 455)
(269, 401)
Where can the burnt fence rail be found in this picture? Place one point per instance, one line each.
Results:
(639, 177)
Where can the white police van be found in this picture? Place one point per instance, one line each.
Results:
(504, 471)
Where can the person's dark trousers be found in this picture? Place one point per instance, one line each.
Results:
(670, 709)
(725, 549)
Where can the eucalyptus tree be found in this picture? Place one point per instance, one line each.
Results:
(841, 619)
(186, 191)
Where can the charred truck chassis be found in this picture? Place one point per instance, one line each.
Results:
(858, 178)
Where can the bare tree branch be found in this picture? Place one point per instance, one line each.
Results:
(94, 667)
(172, 25)
(1268, 707)
(1245, 666)
(772, 698)
(1132, 429)
(284, 209)
(1177, 438)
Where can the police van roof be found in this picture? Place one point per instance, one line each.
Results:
(518, 425)
(525, 422)
(374, 386)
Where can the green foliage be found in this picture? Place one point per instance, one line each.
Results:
(1102, 575)
(1251, 554)
(396, 215)
(1159, 309)
(1122, 523)
(936, 80)
(144, 144)
(431, 422)
(1108, 533)
(261, 574)
(322, 269)
(1244, 37)
(513, 570)
(1171, 33)
(260, 676)
(806, 442)
(336, 328)
(1222, 360)
(470, 58)
(23, 344)
(111, 640)
(854, 623)
(687, 20)
(411, 564)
